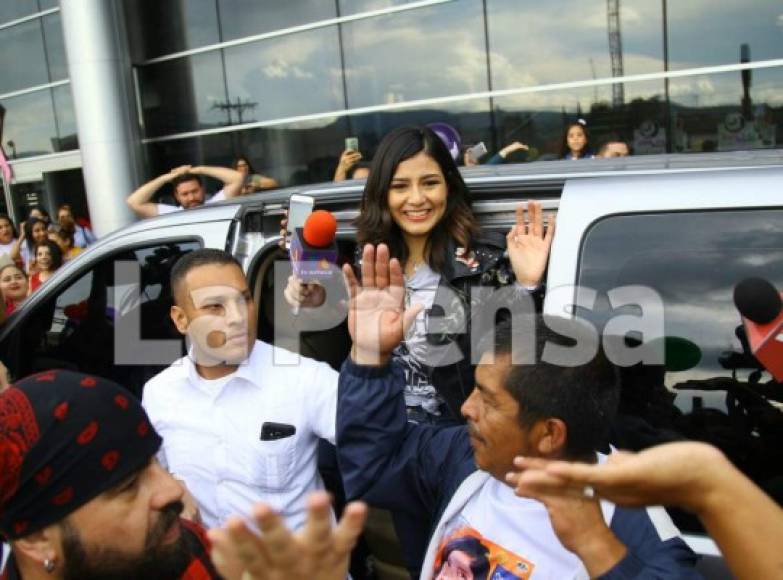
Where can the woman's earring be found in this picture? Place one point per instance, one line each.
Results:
(49, 565)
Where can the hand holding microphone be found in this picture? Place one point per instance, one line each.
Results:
(299, 294)
(313, 256)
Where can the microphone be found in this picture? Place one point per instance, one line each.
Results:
(314, 249)
(761, 307)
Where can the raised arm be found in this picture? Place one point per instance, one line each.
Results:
(348, 159)
(745, 523)
(16, 250)
(383, 458)
(140, 201)
(260, 182)
(232, 180)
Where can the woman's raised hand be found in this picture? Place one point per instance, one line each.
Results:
(529, 243)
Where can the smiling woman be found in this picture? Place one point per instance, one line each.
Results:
(416, 202)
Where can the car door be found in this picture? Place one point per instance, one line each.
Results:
(690, 238)
(107, 311)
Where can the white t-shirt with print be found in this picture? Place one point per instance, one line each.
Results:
(517, 535)
(164, 208)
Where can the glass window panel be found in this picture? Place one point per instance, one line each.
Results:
(535, 43)
(66, 118)
(29, 127)
(540, 119)
(693, 261)
(356, 6)
(25, 65)
(241, 18)
(300, 153)
(471, 119)
(161, 28)
(711, 113)
(284, 77)
(46, 4)
(424, 53)
(206, 150)
(55, 47)
(13, 9)
(703, 33)
(185, 94)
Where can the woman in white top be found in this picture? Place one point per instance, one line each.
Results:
(7, 234)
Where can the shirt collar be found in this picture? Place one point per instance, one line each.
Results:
(248, 370)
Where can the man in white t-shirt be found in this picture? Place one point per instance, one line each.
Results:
(188, 189)
(463, 518)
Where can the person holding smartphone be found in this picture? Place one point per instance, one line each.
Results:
(351, 165)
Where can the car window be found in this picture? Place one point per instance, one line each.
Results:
(709, 389)
(75, 329)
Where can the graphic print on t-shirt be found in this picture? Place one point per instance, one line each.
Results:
(464, 553)
(412, 353)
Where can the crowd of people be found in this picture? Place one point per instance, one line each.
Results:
(490, 468)
(31, 253)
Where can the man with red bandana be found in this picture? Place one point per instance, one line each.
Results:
(81, 494)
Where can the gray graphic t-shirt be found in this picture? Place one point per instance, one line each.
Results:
(420, 288)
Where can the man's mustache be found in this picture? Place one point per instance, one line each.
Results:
(168, 515)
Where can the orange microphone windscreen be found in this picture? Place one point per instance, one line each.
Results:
(320, 228)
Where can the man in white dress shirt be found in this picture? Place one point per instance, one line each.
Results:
(236, 428)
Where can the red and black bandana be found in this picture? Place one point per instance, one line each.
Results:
(65, 438)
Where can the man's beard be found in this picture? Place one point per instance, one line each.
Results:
(156, 562)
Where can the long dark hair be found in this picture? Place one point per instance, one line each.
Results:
(565, 151)
(28, 233)
(375, 224)
(250, 169)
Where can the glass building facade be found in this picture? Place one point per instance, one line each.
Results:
(34, 89)
(285, 83)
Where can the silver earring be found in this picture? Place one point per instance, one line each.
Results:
(49, 565)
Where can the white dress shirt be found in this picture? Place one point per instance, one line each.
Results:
(211, 432)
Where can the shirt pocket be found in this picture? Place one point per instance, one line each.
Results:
(271, 466)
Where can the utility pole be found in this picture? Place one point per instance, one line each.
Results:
(615, 50)
(240, 107)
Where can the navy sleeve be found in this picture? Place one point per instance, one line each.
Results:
(496, 159)
(655, 551)
(385, 460)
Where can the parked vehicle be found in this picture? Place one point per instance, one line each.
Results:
(689, 227)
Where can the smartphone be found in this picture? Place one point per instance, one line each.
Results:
(352, 143)
(299, 207)
(273, 431)
(477, 151)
